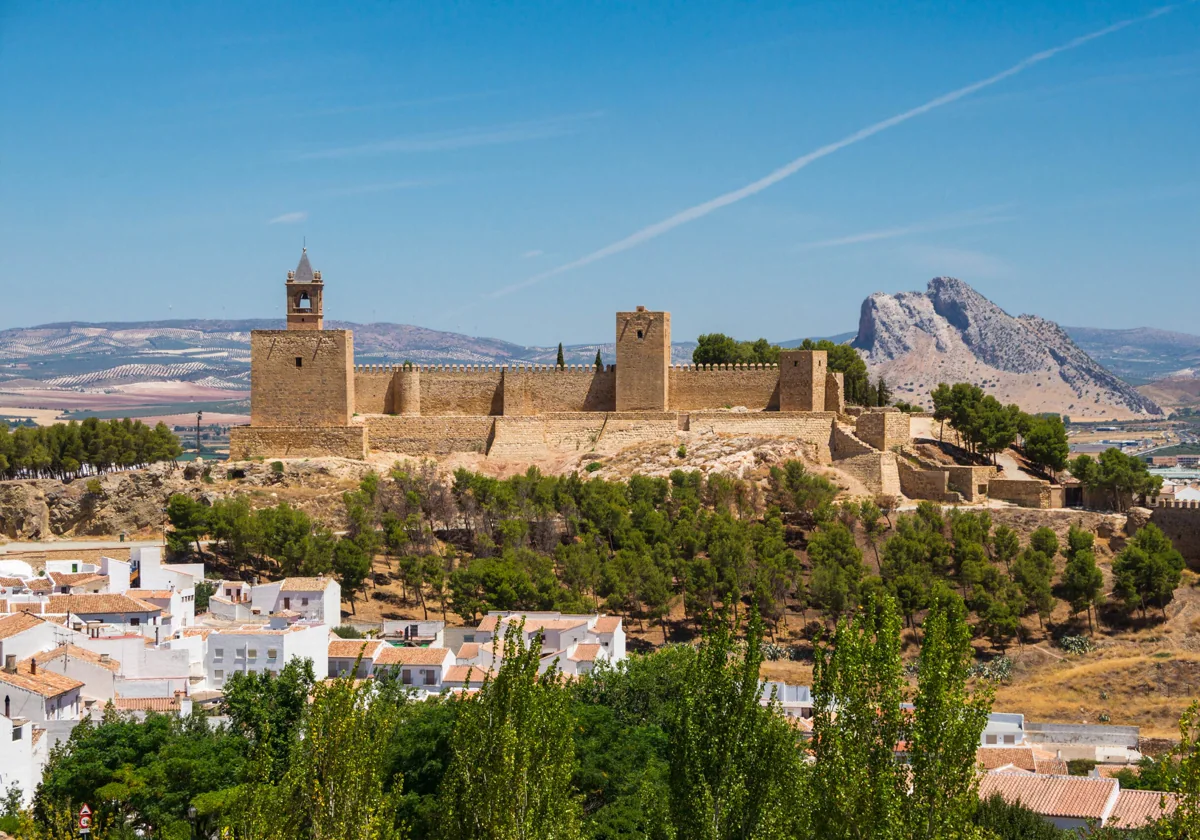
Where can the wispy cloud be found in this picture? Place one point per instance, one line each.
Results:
(465, 138)
(383, 186)
(289, 218)
(968, 218)
(786, 171)
(403, 103)
(529, 255)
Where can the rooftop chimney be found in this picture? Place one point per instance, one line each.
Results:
(105, 658)
(33, 667)
(10, 663)
(641, 309)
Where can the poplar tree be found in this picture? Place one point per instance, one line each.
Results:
(736, 771)
(946, 725)
(858, 790)
(512, 754)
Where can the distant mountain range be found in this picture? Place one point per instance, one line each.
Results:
(914, 339)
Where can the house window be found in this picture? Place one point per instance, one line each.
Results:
(990, 739)
(429, 675)
(641, 334)
(17, 731)
(304, 602)
(218, 653)
(218, 675)
(406, 677)
(469, 638)
(287, 603)
(299, 361)
(1010, 739)
(134, 622)
(254, 653)
(241, 653)
(272, 654)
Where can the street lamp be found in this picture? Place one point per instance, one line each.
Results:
(192, 818)
(199, 414)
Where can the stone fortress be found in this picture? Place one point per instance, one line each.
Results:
(309, 399)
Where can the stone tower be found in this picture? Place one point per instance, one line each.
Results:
(802, 380)
(304, 291)
(643, 360)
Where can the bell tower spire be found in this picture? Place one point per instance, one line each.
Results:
(304, 293)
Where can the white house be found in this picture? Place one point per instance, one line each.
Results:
(178, 606)
(39, 695)
(1003, 729)
(259, 648)
(344, 653)
(17, 766)
(151, 572)
(421, 668)
(312, 598)
(87, 613)
(567, 640)
(418, 633)
(23, 634)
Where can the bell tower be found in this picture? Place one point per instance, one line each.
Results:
(304, 292)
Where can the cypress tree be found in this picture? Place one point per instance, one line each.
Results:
(599, 361)
(560, 362)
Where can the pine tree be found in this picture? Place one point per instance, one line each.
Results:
(599, 361)
(560, 362)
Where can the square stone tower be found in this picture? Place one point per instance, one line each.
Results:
(643, 360)
(802, 380)
(304, 291)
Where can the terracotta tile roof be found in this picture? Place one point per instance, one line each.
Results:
(1110, 771)
(202, 632)
(305, 584)
(11, 625)
(391, 655)
(40, 585)
(469, 650)
(12, 582)
(144, 594)
(38, 734)
(1136, 808)
(45, 683)
(533, 624)
(489, 623)
(350, 648)
(607, 624)
(585, 653)
(86, 655)
(147, 704)
(1023, 758)
(100, 602)
(461, 673)
(77, 578)
(35, 607)
(1076, 797)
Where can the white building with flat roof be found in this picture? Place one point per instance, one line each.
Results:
(268, 647)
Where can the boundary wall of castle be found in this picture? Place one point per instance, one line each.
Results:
(518, 390)
(811, 428)
(246, 442)
(877, 471)
(928, 485)
(1180, 521)
(1033, 493)
(884, 428)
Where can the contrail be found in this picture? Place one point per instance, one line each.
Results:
(786, 171)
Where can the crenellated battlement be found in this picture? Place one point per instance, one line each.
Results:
(388, 369)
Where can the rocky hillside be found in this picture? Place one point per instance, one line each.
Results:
(951, 333)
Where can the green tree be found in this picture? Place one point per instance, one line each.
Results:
(1185, 821)
(559, 362)
(1119, 475)
(189, 524)
(1013, 821)
(837, 569)
(859, 789)
(1006, 545)
(1046, 444)
(268, 709)
(1147, 571)
(512, 754)
(599, 363)
(735, 768)
(1083, 584)
(947, 723)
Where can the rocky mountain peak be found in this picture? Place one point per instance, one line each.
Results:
(952, 333)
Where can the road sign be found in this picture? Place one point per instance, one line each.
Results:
(85, 819)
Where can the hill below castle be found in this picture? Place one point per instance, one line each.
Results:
(951, 333)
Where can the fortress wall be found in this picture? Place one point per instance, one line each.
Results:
(930, 485)
(301, 378)
(877, 471)
(812, 428)
(545, 390)
(374, 389)
(625, 429)
(1180, 521)
(461, 390)
(429, 435)
(246, 442)
(972, 483)
(695, 388)
(1029, 494)
(846, 445)
(883, 428)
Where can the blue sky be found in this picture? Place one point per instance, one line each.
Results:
(446, 161)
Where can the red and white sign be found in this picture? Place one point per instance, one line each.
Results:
(85, 819)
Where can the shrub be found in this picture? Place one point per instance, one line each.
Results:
(593, 466)
(93, 487)
(1075, 644)
(681, 452)
(277, 467)
(345, 631)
